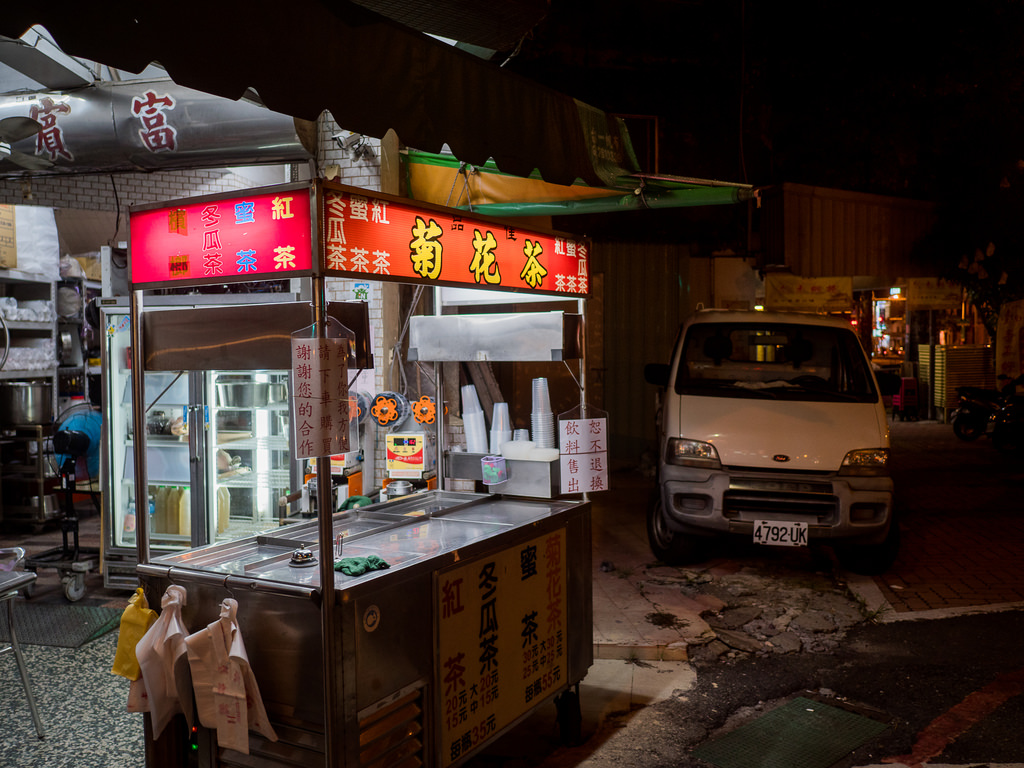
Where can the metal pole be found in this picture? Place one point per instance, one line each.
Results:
(333, 757)
(142, 521)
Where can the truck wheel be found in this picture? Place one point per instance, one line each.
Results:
(874, 559)
(670, 547)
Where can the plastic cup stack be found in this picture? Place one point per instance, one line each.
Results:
(473, 419)
(542, 420)
(501, 427)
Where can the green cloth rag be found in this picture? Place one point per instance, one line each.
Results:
(355, 566)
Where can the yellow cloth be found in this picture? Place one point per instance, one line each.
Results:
(137, 618)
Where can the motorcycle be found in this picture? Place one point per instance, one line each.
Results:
(975, 411)
(1008, 425)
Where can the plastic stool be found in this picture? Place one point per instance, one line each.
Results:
(10, 582)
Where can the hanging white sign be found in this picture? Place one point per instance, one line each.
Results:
(320, 396)
(583, 449)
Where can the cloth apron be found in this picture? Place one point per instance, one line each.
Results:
(227, 696)
(166, 687)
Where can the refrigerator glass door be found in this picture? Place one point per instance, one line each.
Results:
(250, 466)
(168, 396)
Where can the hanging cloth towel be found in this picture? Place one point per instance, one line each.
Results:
(227, 696)
(137, 618)
(356, 566)
(162, 659)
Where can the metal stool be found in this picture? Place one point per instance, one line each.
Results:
(10, 582)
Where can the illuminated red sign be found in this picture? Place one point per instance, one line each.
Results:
(371, 237)
(263, 235)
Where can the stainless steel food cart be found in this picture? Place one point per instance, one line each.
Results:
(482, 613)
(401, 639)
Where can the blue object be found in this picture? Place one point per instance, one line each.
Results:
(90, 424)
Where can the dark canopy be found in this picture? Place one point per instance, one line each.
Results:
(305, 56)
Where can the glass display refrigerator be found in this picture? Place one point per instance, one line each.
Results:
(218, 452)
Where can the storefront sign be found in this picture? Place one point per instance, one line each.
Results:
(262, 235)
(8, 238)
(583, 452)
(320, 396)
(808, 294)
(501, 640)
(368, 236)
(932, 293)
(1010, 340)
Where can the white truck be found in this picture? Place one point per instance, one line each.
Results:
(772, 427)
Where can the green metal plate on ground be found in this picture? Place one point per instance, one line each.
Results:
(800, 734)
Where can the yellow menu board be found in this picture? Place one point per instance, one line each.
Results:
(501, 640)
(8, 238)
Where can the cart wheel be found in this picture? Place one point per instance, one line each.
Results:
(28, 590)
(74, 587)
(570, 718)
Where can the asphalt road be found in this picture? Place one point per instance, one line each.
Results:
(947, 687)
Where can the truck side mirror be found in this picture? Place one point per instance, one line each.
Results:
(656, 374)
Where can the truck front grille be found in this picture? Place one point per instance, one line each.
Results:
(752, 503)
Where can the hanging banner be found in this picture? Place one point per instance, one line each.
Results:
(387, 238)
(932, 293)
(583, 451)
(1010, 339)
(501, 640)
(320, 392)
(261, 234)
(808, 294)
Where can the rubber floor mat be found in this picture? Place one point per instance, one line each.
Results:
(800, 734)
(58, 624)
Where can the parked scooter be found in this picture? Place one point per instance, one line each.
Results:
(976, 409)
(1008, 422)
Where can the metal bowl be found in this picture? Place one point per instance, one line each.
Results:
(250, 394)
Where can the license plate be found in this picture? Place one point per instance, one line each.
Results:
(780, 534)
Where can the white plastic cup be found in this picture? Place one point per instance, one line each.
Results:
(476, 431)
(521, 435)
(541, 396)
(470, 401)
(498, 437)
(543, 432)
(500, 420)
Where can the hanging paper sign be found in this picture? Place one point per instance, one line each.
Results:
(262, 234)
(369, 236)
(501, 640)
(583, 455)
(320, 396)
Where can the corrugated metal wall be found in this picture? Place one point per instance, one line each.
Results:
(819, 232)
(647, 294)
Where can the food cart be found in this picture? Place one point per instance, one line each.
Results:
(452, 615)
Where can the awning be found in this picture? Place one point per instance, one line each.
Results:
(305, 56)
(484, 189)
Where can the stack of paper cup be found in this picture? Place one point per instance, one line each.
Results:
(501, 427)
(473, 420)
(541, 418)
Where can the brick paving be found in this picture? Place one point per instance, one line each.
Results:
(962, 522)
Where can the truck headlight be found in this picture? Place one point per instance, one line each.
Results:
(866, 461)
(691, 453)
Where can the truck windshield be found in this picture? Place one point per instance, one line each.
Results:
(774, 360)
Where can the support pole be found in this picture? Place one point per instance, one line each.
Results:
(333, 757)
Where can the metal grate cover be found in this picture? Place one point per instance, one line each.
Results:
(800, 734)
